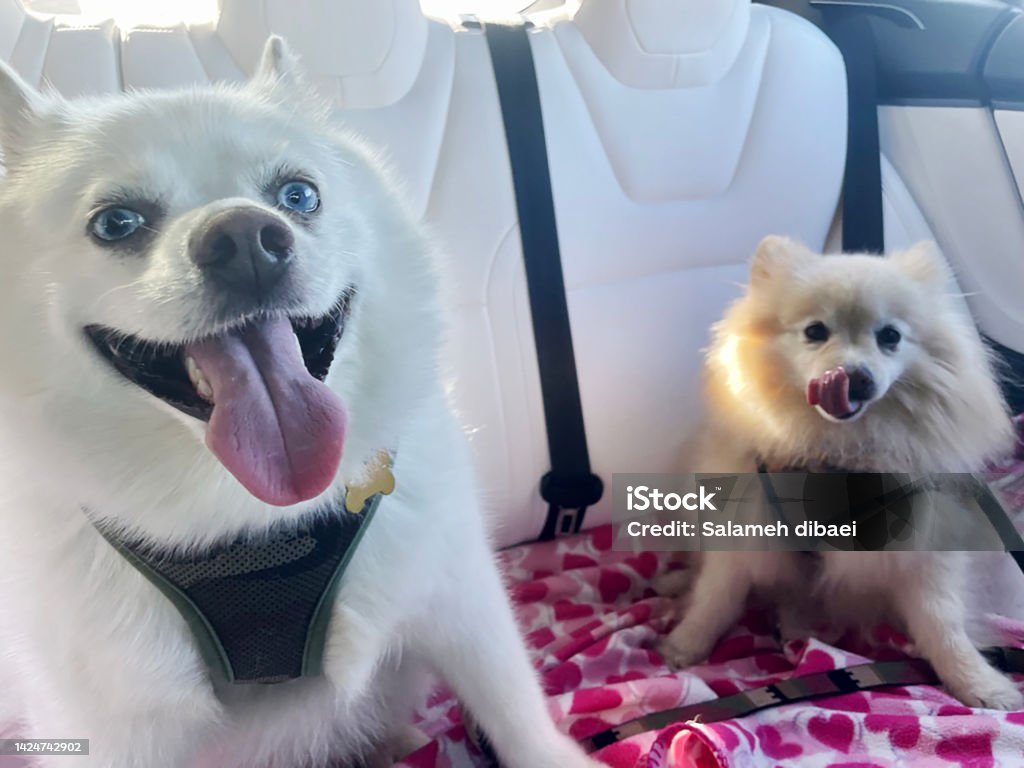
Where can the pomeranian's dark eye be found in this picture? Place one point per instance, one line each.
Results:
(115, 223)
(816, 332)
(888, 337)
(298, 196)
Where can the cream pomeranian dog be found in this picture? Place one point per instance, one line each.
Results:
(217, 315)
(866, 363)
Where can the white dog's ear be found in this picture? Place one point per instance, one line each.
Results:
(279, 67)
(281, 76)
(777, 256)
(924, 263)
(20, 103)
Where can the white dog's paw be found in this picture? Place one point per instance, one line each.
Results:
(582, 761)
(673, 583)
(565, 753)
(403, 740)
(578, 760)
(988, 689)
(680, 651)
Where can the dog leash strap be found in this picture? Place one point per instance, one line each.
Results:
(836, 682)
(807, 688)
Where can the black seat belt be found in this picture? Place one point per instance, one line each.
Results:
(863, 222)
(570, 487)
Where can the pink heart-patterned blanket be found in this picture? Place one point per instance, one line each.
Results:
(592, 621)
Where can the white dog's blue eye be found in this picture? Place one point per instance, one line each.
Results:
(112, 224)
(299, 196)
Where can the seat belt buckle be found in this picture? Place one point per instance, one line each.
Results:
(568, 497)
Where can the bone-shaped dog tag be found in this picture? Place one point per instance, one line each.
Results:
(378, 480)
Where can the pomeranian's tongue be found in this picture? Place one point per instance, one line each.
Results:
(274, 426)
(831, 391)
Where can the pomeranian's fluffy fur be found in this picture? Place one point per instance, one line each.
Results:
(933, 405)
(88, 647)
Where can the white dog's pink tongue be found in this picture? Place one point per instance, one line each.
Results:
(275, 427)
(831, 392)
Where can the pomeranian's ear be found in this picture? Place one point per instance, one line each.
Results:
(279, 67)
(778, 256)
(20, 104)
(924, 263)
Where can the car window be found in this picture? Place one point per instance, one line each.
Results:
(131, 12)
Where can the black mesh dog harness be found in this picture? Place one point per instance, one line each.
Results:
(259, 606)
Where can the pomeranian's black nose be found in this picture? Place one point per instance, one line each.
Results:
(862, 384)
(245, 249)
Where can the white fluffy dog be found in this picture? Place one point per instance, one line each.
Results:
(169, 263)
(866, 363)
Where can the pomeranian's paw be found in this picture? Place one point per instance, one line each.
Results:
(795, 622)
(680, 651)
(988, 689)
(673, 583)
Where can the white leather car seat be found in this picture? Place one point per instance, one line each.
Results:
(678, 135)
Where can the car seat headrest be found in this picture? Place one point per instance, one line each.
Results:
(364, 53)
(665, 43)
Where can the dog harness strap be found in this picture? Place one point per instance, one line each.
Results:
(880, 504)
(880, 512)
(835, 682)
(259, 607)
(1000, 520)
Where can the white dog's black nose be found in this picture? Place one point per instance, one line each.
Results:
(862, 384)
(247, 250)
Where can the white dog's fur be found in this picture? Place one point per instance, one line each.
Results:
(937, 409)
(88, 647)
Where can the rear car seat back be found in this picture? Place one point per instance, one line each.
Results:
(676, 140)
(678, 135)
